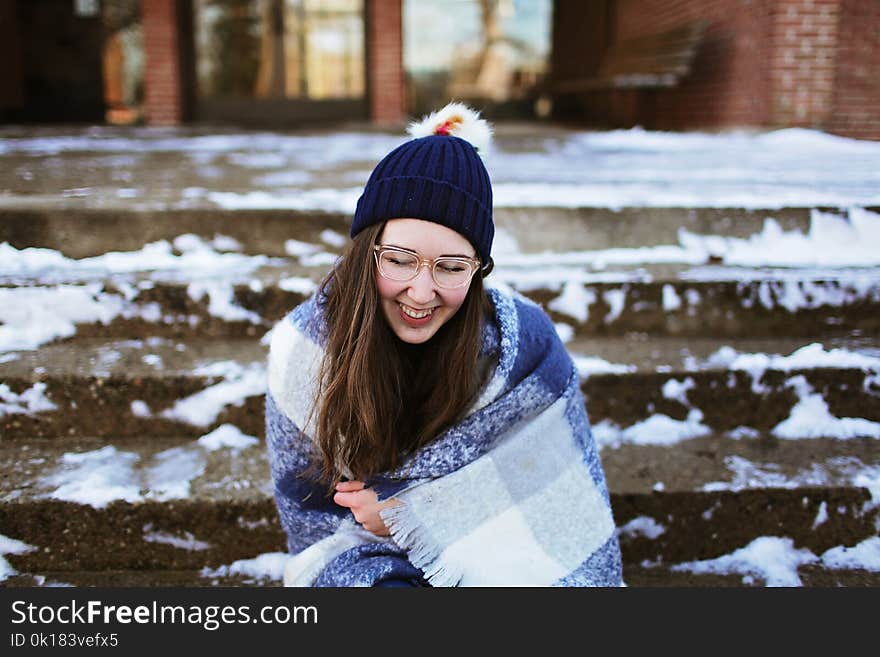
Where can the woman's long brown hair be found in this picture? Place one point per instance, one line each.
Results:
(376, 403)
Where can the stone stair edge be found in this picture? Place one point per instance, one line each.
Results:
(655, 529)
(635, 576)
(624, 398)
(7, 207)
(538, 228)
(671, 355)
(274, 276)
(725, 308)
(690, 403)
(149, 578)
(228, 466)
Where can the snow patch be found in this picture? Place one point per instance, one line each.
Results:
(564, 331)
(227, 436)
(671, 300)
(99, 477)
(864, 556)
(773, 559)
(203, 407)
(139, 408)
(11, 546)
(810, 356)
(33, 400)
(298, 284)
(342, 201)
(747, 474)
(658, 429)
(832, 241)
(587, 366)
(575, 301)
(642, 526)
(821, 515)
(810, 418)
(616, 299)
(184, 542)
(333, 238)
(14, 546)
(269, 566)
(298, 249)
(221, 301)
(33, 316)
(743, 433)
(168, 476)
(677, 390)
(96, 478)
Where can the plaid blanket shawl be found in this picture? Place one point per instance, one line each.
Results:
(512, 495)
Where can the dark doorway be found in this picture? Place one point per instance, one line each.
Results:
(55, 75)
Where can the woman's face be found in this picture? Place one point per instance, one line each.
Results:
(404, 304)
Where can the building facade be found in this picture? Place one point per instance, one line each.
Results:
(284, 63)
(760, 63)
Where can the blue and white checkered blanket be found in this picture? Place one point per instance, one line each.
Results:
(512, 495)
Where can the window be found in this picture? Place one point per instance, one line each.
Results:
(277, 49)
(484, 52)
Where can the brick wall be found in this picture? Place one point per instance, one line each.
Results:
(804, 42)
(770, 63)
(163, 95)
(730, 80)
(856, 95)
(385, 77)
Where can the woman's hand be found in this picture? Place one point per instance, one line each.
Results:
(364, 504)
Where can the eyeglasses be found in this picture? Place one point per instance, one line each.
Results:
(401, 265)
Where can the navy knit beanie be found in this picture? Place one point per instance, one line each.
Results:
(439, 177)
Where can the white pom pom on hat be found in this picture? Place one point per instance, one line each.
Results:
(457, 120)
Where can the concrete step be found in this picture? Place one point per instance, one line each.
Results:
(173, 535)
(218, 307)
(117, 555)
(741, 304)
(84, 232)
(80, 232)
(174, 503)
(160, 387)
(229, 467)
(86, 357)
(637, 352)
(152, 504)
(117, 168)
(131, 388)
(808, 575)
(89, 387)
(150, 578)
(635, 576)
(225, 467)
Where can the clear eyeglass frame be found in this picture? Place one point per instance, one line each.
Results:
(472, 263)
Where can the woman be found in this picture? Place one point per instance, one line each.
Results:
(423, 429)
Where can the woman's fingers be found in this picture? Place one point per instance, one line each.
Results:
(346, 499)
(364, 505)
(349, 486)
(358, 497)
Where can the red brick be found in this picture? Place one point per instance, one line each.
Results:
(163, 96)
(386, 81)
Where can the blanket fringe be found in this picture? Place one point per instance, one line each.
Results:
(423, 553)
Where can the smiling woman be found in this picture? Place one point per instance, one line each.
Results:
(423, 430)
